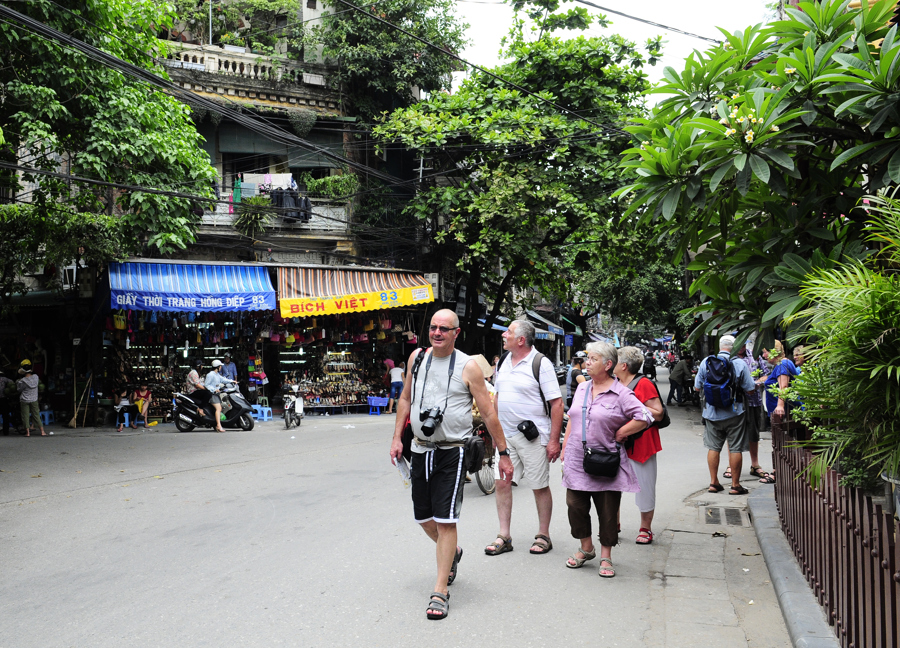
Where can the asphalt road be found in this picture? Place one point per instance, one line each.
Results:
(295, 538)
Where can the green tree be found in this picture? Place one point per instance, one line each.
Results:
(523, 176)
(379, 66)
(60, 109)
(757, 159)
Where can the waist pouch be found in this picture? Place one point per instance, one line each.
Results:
(529, 430)
(601, 463)
(474, 458)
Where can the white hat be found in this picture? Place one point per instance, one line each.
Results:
(216, 364)
(581, 354)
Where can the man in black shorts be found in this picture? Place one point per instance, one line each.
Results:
(443, 382)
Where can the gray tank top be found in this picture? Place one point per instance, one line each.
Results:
(432, 390)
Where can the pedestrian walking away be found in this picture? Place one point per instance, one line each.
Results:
(725, 382)
(530, 410)
(437, 397)
(28, 398)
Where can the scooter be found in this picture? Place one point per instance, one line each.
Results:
(187, 417)
(293, 406)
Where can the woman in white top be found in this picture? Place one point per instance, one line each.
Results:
(397, 373)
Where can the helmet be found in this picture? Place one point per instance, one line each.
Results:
(25, 364)
(216, 364)
(581, 354)
(197, 363)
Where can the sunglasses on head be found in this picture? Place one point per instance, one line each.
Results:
(442, 329)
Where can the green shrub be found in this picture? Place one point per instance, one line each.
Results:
(254, 214)
(850, 384)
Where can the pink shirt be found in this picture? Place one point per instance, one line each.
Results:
(607, 413)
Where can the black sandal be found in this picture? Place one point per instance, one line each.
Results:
(442, 606)
(738, 490)
(455, 567)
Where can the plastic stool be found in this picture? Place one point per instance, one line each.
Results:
(265, 413)
(47, 417)
(127, 419)
(257, 412)
(262, 400)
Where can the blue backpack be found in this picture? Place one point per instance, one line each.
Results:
(719, 386)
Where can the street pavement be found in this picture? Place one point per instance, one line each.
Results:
(305, 537)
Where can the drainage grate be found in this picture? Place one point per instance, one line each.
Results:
(723, 515)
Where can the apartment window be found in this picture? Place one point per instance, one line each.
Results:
(310, 4)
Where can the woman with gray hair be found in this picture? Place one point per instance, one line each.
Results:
(642, 454)
(604, 412)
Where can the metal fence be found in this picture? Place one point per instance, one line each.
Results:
(846, 546)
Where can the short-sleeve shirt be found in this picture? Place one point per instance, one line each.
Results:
(784, 368)
(753, 399)
(649, 443)
(519, 398)
(192, 383)
(742, 381)
(397, 374)
(606, 413)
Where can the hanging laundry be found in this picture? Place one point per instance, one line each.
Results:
(237, 188)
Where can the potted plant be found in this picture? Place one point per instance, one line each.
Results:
(254, 214)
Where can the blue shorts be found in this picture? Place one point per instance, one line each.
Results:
(396, 389)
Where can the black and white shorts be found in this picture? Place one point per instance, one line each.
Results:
(438, 477)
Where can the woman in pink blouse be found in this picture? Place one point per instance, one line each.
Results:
(612, 413)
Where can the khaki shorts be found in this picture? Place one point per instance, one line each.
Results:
(731, 430)
(531, 468)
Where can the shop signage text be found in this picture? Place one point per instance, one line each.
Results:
(158, 302)
(355, 303)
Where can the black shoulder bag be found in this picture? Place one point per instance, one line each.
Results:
(598, 463)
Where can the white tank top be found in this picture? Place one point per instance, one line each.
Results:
(432, 390)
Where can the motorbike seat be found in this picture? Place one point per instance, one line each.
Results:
(200, 397)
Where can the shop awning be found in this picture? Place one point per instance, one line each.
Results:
(304, 292)
(494, 326)
(578, 330)
(190, 287)
(551, 327)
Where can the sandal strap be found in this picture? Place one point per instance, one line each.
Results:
(444, 597)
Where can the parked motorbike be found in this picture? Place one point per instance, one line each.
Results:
(187, 417)
(293, 406)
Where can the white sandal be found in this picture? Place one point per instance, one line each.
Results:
(579, 562)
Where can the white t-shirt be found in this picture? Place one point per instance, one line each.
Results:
(519, 398)
(397, 374)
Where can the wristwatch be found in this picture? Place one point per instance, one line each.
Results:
(504, 453)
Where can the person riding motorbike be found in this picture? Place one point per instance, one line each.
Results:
(214, 381)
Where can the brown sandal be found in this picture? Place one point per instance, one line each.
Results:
(543, 544)
(501, 545)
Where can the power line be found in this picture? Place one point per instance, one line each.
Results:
(648, 22)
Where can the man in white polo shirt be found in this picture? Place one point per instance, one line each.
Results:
(519, 400)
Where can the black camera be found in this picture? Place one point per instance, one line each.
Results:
(529, 430)
(430, 419)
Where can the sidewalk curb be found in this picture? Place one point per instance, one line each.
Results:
(803, 616)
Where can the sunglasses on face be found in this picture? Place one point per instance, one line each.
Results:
(442, 329)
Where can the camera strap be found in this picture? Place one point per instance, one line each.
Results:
(449, 378)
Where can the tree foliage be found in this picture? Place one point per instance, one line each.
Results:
(757, 160)
(522, 177)
(61, 108)
(378, 66)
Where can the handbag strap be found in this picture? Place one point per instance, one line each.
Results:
(590, 386)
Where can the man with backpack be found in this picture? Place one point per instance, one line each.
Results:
(725, 381)
(530, 408)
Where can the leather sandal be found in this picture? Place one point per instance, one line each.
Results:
(501, 545)
(579, 562)
(543, 544)
(644, 537)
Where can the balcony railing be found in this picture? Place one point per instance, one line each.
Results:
(326, 217)
(237, 62)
